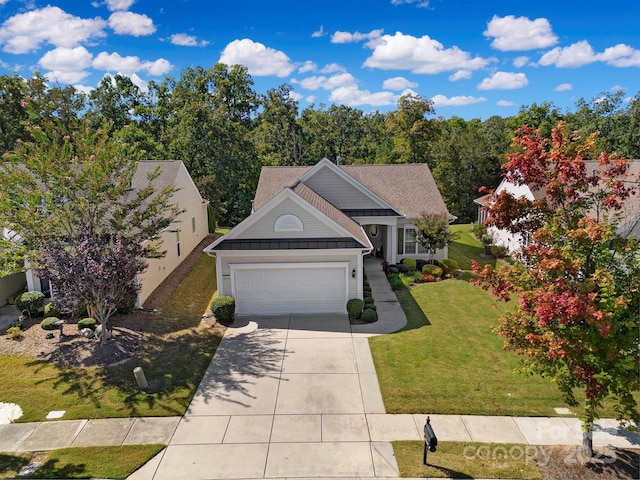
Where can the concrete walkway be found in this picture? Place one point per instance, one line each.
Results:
(295, 396)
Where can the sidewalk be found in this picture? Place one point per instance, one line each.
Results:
(296, 397)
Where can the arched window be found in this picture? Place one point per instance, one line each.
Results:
(374, 231)
(288, 223)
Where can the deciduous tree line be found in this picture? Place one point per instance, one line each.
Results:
(224, 131)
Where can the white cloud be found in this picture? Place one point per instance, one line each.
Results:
(505, 103)
(26, 32)
(575, 55)
(184, 40)
(504, 81)
(458, 101)
(419, 3)
(521, 61)
(581, 53)
(513, 34)
(346, 37)
(333, 68)
(420, 55)
(460, 75)
(295, 96)
(141, 84)
(114, 5)
(129, 65)
(352, 96)
(328, 83)
(83, 88)
(563, 87)
(319, 33)
(398, 84)
(259, 59)
(129, 23)
(66, 65)
(307, 66)
(621, 56)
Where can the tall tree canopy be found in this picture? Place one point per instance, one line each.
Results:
(576, 321)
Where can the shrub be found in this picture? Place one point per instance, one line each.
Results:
(402, 268)
(49, 323)
(367, 298)
(354, 308)
(499, 251)
(450, 264)
(395, 281)
(369, 315)
(393, 269)
(128, 305)
(14, 332)
(366, 289)
(420, 263)
(409, 262)
(434, 270)
(52, 309)
(478, 230)
(30, 301)
(87, 323)
(370, 306)
(224, 308)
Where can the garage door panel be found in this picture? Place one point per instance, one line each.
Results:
(316, 288)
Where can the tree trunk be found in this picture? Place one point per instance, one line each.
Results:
(587, 435)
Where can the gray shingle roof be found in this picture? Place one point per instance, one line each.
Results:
(409, 188)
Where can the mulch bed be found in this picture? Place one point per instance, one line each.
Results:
(130, 332)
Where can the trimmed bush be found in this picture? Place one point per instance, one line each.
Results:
(30, 301)
(87, 323)
(52, 309)
(402, 268)
(409, 262)
(129, 305)
(14, 332)
(354, 308)
(370, 306)
(393, 270)
(224, 308)
(49, 323)
(433, 270)
(499, 251)
(369, 315)
(450, 264)
(421, 262)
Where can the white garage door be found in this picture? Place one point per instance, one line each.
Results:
(290, 288)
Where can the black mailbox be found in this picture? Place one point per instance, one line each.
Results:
(430, 440)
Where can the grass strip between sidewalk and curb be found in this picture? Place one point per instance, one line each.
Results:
(113, 462)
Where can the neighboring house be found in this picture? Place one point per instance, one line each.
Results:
(184, 234)
(629, 215)
(301, 250)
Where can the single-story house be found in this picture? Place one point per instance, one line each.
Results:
(301, 250)
(179, 239)
(629, 215)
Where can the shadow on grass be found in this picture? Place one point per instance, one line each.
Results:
(51, 469)
(415, 315)
(10, 463)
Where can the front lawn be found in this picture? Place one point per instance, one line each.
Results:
(174, 357)
(447, 359)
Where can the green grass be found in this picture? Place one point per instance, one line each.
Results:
(448, 360)
(174, 359)
(81, 462)
(466, 460)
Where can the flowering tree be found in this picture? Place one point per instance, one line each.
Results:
(99, 272)
(432, 232)
(68, 207)
(576, 283)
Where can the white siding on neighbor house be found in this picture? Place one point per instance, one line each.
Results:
(312, 226)
(189, 200)
(291, 256)
(10, 285)
(338, 191)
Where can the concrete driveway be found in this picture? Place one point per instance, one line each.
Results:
(284, 396)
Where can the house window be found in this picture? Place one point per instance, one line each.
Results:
(288, 223)
(374, 231)
(411, 244)
(178, 241)
(193, 224)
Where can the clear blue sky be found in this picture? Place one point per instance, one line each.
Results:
(473, 58)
